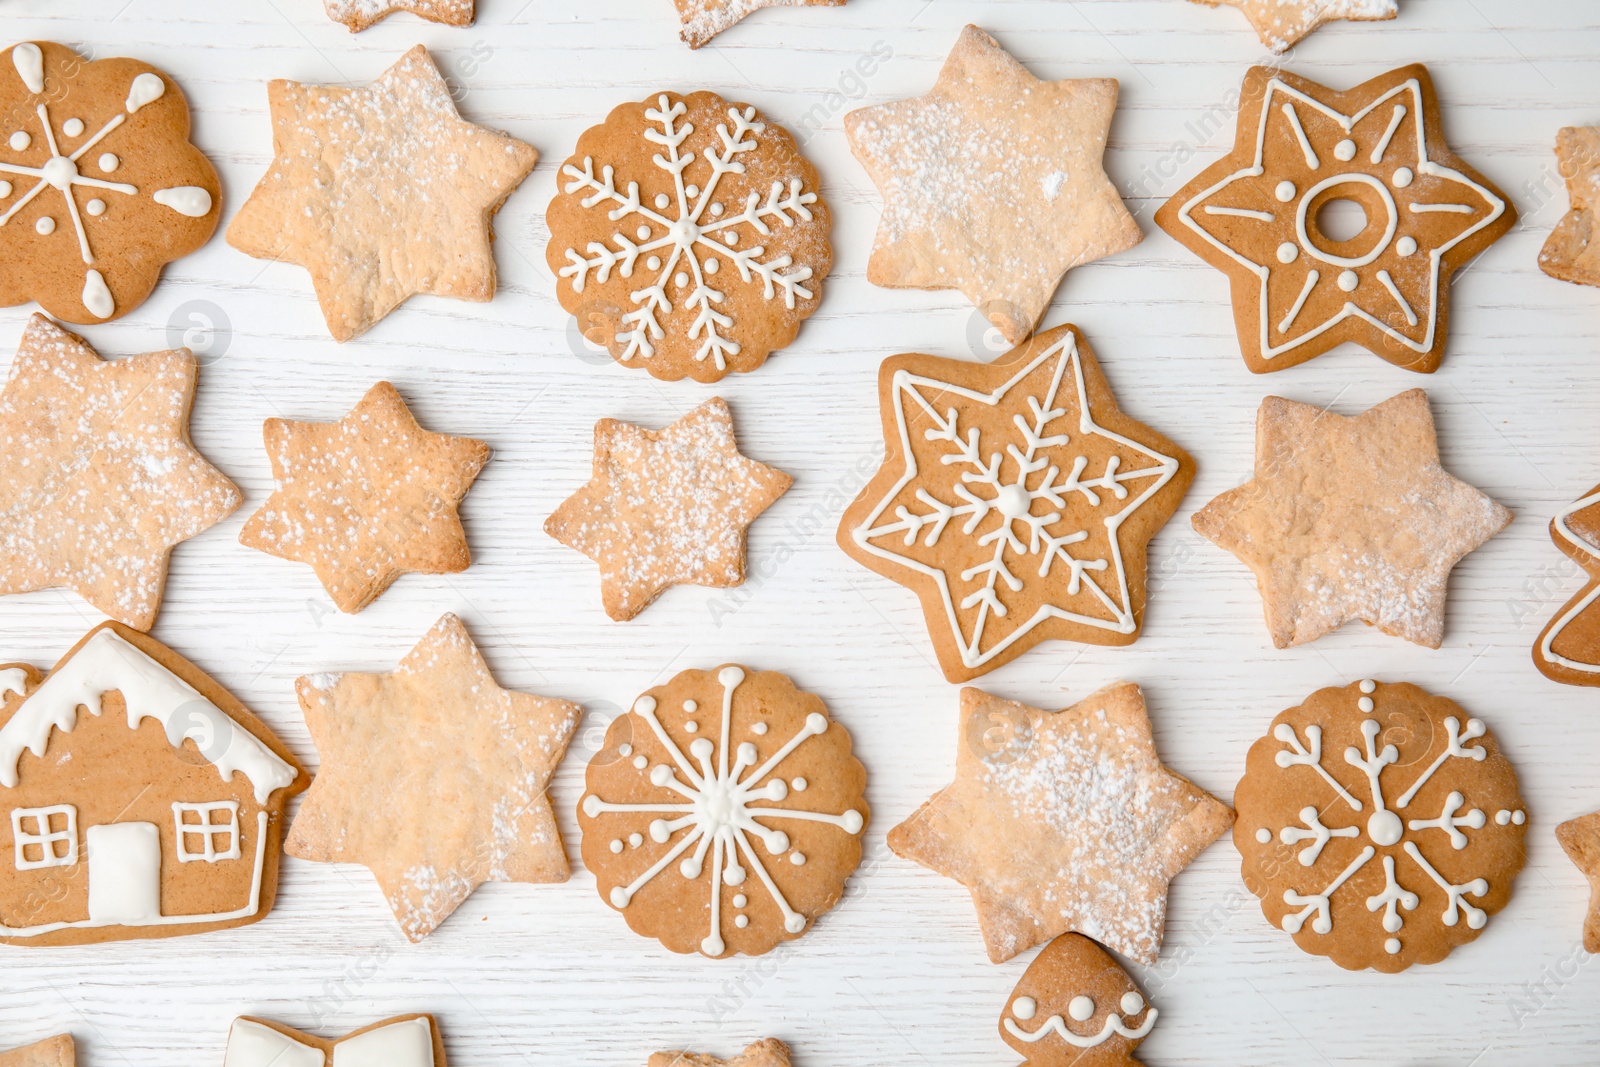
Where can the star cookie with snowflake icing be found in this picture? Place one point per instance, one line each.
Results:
(1281, 23)
(1015, 499)
(1380, 825)
(357, 15)
(704, 19)
(688, 237)
(1258, 215)
(724, 813)
(1076, 1007)
(1568, 648)
(99, 185)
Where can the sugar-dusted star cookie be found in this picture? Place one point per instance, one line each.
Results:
(366, 499)
(381, 193)
(357, 15)
(1258, 215)
(1351, 517)
(1568, 648)
(1015, 499)
(1580, 840)
(768, 1052)
(704, 19)
(666, 507)
(58, 1051)
(1076, 1007)
(433, 777)
(1280, 23)
(98, 478)
(992, 183)
(1061, 821)
(403, 1041)
(1571, 253)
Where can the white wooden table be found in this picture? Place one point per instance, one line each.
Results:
(549, 975)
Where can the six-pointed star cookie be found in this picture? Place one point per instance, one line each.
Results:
(704, 19)
(666, 507)
(433, 777)
(366, 499)
(359, 14)
(1351, 518)
(1280, 23)
(1580, 839)
(1062, 821)
(1571, 253)
(381, 193)
(58, 1051)
(403, 1041)
(1258, 215)
(992, 183)
(1015, 499)
(98, 480)
(768, 1052)
(1568, 648)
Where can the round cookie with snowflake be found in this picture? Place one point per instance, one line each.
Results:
(724, 812)
(688, 236)
(1380, 825)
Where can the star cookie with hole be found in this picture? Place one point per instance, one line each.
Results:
(1351, 517)
(1015, 499)
(1380, 825)
(1281, 23)
(1568, 648)
(433, 777)
(1301, 287)
(381, 193)
(1571, 253)
(992, 183)
(358, 15)
(58, 1051)
(403, 1041)
(1075, 1007)
(666, 507)
(99, 185)
(1580, 840)
(1063, 821)
(769, 1052)
(366, 499)
(98, 478)
(688, 236)
(724, 812)
(704, 19)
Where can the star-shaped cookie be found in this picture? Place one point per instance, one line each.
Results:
(704, 19)
(98, 479)
(433, 777)
(403, 1041)
(381, 193)
(359, 14)
(1580, 839)
(768, 1052)
(992, 183)
(57, 1051)
(1280, 23)
(1062, 821)
(1568, 648)
(666, 507)
(366, 499)
(1351, 517)
(1571, 253)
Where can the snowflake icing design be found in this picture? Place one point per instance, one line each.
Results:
(683, 238)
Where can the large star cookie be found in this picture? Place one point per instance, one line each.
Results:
(1061, 821)
(381, 193)
(1580, 840)
(433, 777)
(704, 19)
(98, 480)
(1280, 23)
(992, 183)
(58, 1051)
(1015, 499)
(366, 499)
(1571, 253)
(768, 1052)
(666, 507)
(403, 1041)
(1351, 518)
(357, 15)
(1300, 285)
(1568, 648)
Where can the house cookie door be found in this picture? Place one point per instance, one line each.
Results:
(124, 874)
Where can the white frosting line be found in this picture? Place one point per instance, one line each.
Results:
(29, 61)
(1563, 529)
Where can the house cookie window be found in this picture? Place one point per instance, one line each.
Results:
(45, 837)
(207, 832)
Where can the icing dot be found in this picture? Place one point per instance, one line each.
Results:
(680, 279)
(692, 726)
(1402, 177)
(740, 900)
(46, 225)
(1368, 685)
(1392, 945)
(1348, 281)
(5, 190)
(1406, 246)
(758, 728)
(730, 238)
(616, 846)
(690, 706)
(635, 840)
(1345, 149)
(1285, 191)
(1365, 704)
(654, 262)
(20, 140)
(640, 762)
(662, 200)
(692, 190)
(1024, 1008)
(72, 127)
(711, 266)
(1287, 252)
(643, 233)
(624, 750)
(799, 785)
(797, 858)
(741, 921)
(620, 897)
(1132, 1003)
(109, 162)
(1263, 836)
(1081, 1008)
(1519, 817)
(96, 207)
(1385, 828)
(1502, 817)
(712, 945)
(716, 210)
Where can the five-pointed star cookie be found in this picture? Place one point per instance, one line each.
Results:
(768, 1052)
(359, 14)
(1580, 839)
(704, 19)
(1280, 23)
(992, 183)
(1351, 518)
(366, 499)
(58, 1051)
(1015, 499)
(1571, 253)
(666, 507)
(433, 777)
(98, 479)
(1258, 215)
(381, 193)
(1061, 821)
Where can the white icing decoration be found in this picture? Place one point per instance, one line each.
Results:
(1284, 192)
(1563, 529)
(95, 208)
(1345, 150)
(96, 297)
(741, 921)
(72, 127)
(124, 874)
(1447, 821)
(1263, 836)
(205, 829)
(109, 162)
(640, 762)
(1318, 834)
(20, 141)
(190, 200)
(45, 226)
(29, 61)
(1366, 705)
(799, 785)
(147, 88)
(1406, 246)
(34, 829)
(1402, 177)
(691, 726)
(1055, 1024)
(797, 858)
(1132, 1003)
(1368, 686)
(5, 189)
(1392, 945)
(13, 680)
(758, 728)
(252, 1044)
(635, 840)
(1080, 1008)
(740, 900)
(691, 706)
(616, 845)
(1288, 252)
(408, 1043)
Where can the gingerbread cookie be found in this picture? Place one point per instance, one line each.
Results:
(1075, 1007)
(1015, 499)
(366, 499)
(750, 774)
(433, 777)
(403, 1041)
(1351, 518)
(1570, 252)
(1580, 840)
(1375, 870)
(152, 804)
(358, 15)
(1258, 215)
(381, 193)
(1568, 648)
(1061, 821)
(1281, 23)
(99, 185)
(704, 19)
(688, 237)
(58, 1051)
(666, 507)
(769, 1052)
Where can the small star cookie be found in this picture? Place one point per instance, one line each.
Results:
(381, 193)
(433, 777)
(769, 1052)
(1280, 23)
(992, 183)
(1351, 517)
(360, 14)
(1061, 821)
(58, 1051)
(403, 1041)
(366, 499)
(1570, 253)
(98, 478)
(666, 507)
(1568, 648)
(704, 19)
(1580, 840)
